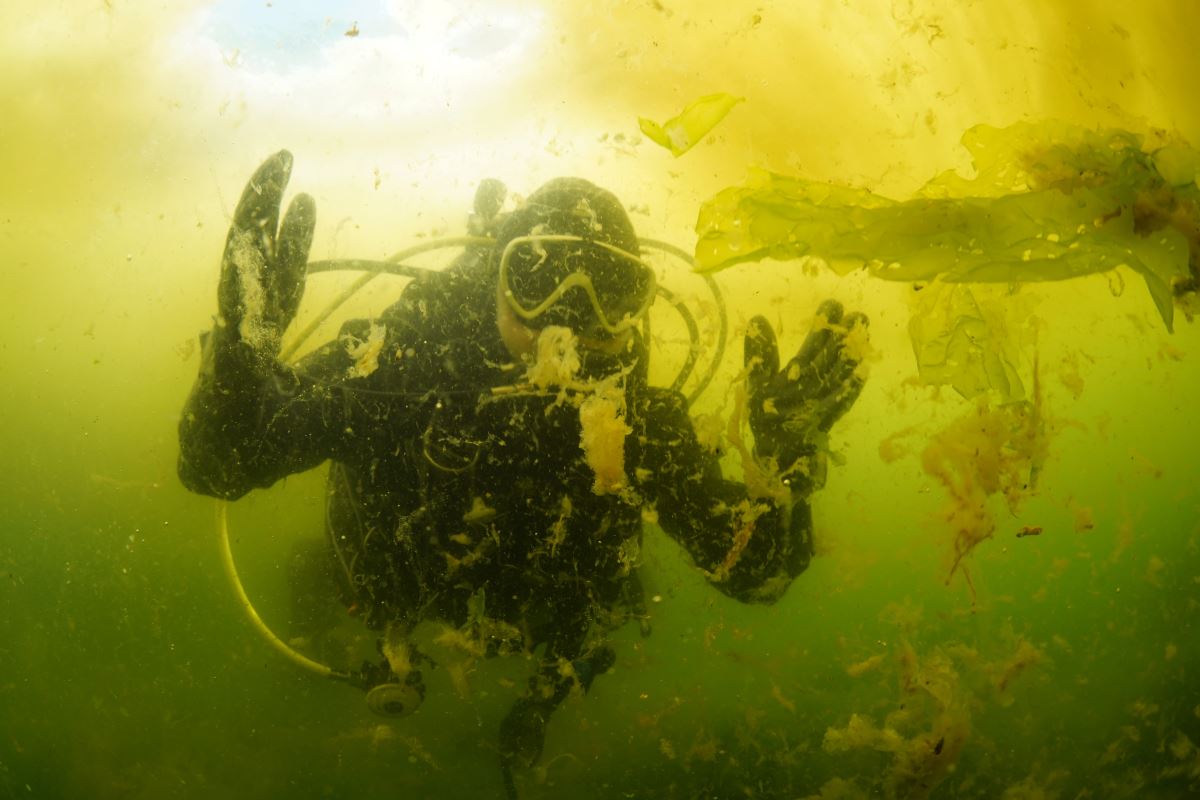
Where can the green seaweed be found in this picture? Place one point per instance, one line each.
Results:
(1049, 201)
(960, 339)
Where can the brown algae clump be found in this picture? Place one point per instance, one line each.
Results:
(989, 451)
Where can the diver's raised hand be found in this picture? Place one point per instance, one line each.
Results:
(792, 409)
(264, 264)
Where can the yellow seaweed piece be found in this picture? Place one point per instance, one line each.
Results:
(861, 732)
(861, 667)
(681, 133)
(602, 437)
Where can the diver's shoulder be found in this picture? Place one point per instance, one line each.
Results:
(439, 295)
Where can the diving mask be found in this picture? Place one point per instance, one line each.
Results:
(559, 278)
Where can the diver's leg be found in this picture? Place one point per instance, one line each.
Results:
(565, 666)
(380, 578)
(394, 684)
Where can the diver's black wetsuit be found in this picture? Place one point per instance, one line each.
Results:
(440, 488)
(443, 493)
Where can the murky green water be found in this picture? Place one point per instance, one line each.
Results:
(1066, 669)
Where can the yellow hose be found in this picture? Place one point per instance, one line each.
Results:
(362, 280)
(299, 659)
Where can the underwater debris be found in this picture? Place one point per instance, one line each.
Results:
(365, 352)
(1154, 570)
(1069, 374)
(704, 748)
(861, 732)
(931, 722)
(601, 405)
(838, 789)
(541, 772)
(1031, 788)
(479, 637)
(1026, 656)
(761, 479)
(1085, 519)
(381, 740)
(989, 451)
(783, 700)
(918, 763)
(866, 665)
(1185, 751)
(928, 758)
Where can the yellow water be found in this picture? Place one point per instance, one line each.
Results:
(128, 131)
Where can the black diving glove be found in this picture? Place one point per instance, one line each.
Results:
(264, 263)
(792, 410)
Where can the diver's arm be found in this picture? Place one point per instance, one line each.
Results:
(752, 540)
(750, 548)
(249, 419)
(248, 422)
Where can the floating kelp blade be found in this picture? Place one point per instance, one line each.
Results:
(1048, 202)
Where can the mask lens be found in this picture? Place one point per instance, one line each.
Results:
(587, 286)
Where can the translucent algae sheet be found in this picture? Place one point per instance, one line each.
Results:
(1048, 201)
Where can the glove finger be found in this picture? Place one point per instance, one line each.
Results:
(291, 263)
(820, 337)
(814, 404)
(831, 310)
(249, 247)
(846, 381)
(489, 198)
(839, 403)
(849, 359)
(761, 353)
(258, 209)
(808, 374)
(826, 368)
(824, 361)
(835, 363)
(856, 319)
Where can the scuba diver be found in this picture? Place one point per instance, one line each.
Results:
(494, 442)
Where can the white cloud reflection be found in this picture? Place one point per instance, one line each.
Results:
(357, 61)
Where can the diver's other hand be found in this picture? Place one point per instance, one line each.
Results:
(793, 408)
(264, 264)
